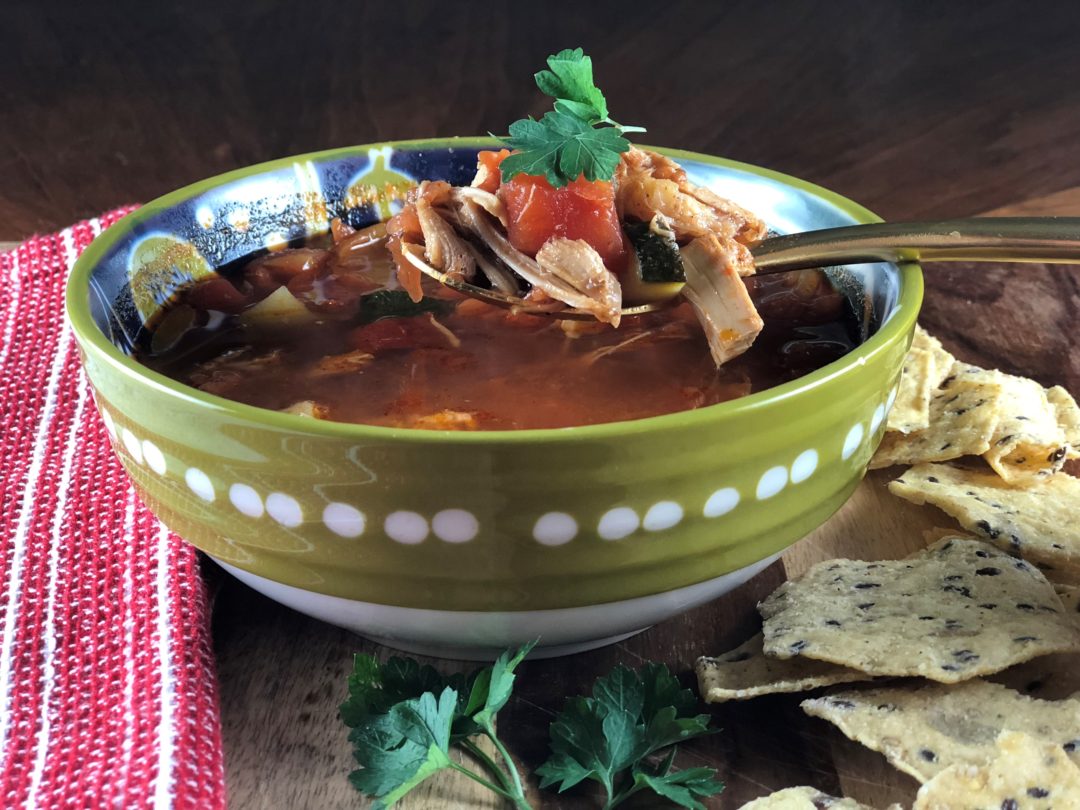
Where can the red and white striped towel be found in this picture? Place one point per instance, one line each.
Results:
(108, 695)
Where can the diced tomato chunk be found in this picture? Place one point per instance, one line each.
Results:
(579, 210)
(398, 333)
(405, 227)
(487, 169)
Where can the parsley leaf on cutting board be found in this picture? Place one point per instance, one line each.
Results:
(609, 736)
(405, 718)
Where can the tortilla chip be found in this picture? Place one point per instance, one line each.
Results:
(960, 610)
(964, 414)
(804, 798)
(1051, 677)
(923, 730)
(931, 536)
(1025, 774)
(926, 365)
(1041, 523)
(911, 409)
(1068, 417)
(746, 672)
(1028, 443)
(943, 360)
(1070, 598)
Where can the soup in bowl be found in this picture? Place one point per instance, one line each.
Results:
(449, 477)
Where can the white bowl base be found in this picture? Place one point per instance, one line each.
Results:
(482, 635)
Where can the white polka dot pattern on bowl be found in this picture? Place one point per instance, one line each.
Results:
(284, 509)
(803, 466)
(246, 500)
(617, 523)
(877, 418)
(721, 502)
(771, 482)
(199, 483)
(458, 526)
(155, 459)
(555, 529)
(455, 525)
(852, 441)
(662, 515)
(132, 444)
(110, 425)
(344, 520)
(406, 527)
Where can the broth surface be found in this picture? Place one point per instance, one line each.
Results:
(466, 365)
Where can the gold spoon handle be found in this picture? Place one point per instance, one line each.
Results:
(999, 239)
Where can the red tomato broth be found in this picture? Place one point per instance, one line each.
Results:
(508, 371)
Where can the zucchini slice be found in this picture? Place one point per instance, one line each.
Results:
(656, 266)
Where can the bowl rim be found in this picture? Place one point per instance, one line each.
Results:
(94, 341)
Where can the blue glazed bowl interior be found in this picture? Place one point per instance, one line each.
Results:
(199, 229)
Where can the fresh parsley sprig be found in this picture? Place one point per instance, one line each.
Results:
(610, 736)
(405, 718)
(577, 138)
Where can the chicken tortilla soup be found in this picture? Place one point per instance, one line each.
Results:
(346, 327)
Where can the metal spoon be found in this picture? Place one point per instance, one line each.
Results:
(997, 239)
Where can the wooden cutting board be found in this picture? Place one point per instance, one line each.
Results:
(282, 675)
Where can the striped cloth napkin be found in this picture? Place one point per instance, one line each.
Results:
(108, 695)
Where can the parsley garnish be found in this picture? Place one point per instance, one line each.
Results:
(577, 138)
(405, 718)
(609, 736)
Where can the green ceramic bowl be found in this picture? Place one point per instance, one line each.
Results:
(464, 543)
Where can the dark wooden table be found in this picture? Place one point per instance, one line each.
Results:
(914, 109)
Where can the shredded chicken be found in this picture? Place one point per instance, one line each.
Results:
(485, 199)
(647, 184)
(334, 365)
(437, 208)
(500, 278)
(446, 251)
(234, 361)
(308, 408)
(444, 420)
(433, 192)
(576, 329)
(452, 340)
(673, 330)
(540, 301)
(576, 263)
(719, 297)
(485, 176)
(556, 284)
